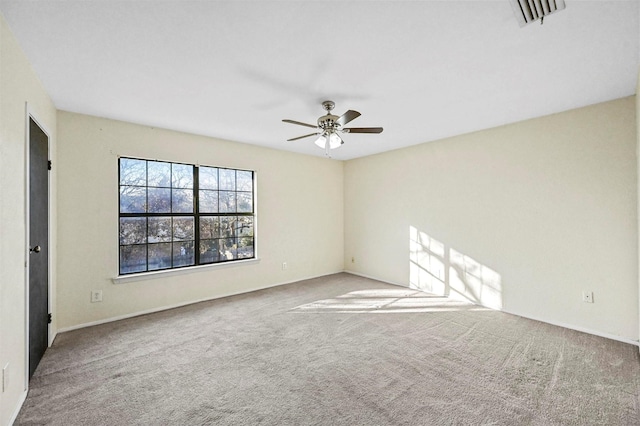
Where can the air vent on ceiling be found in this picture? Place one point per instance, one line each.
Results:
(528, 11)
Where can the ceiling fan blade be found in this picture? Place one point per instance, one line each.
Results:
(363, 130)
(347, 117)
(300, 124)
(301, 137)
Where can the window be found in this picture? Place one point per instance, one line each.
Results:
(174, 215)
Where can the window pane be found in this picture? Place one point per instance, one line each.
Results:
(159, 200)
(245, 202)
(182, 201)
(228, 179)
(133, 259)
(182, 176)
(159, 174)
(244, 226)
(133, 172)
(227, 226)
(209, 227)
(159, 230)
(245, 180)
(228, 249)
(182, 228)
(245, 248)
(133, 230)
(209, 251)
(208, 177)
(208, 201)
(133, 199)
(159, 256)
(227, 203)
(183, 254)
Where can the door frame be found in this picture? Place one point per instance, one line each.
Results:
(31, 115)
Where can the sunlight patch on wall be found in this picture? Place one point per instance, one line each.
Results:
(474, 281)
(426, 263)
(442, 270)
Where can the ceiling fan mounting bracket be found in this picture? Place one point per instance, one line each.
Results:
(328, 105)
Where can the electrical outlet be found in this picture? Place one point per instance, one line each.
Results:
(587, 296)
(5, 378)
(96, 296)
(284, 266)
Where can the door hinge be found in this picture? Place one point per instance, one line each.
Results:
(49, 317)
(49, 164)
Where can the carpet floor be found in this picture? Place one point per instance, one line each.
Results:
(334, 350)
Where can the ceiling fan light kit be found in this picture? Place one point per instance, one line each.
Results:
(330, 138)
(330, 125)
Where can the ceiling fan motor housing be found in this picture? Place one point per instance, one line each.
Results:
(328, 122)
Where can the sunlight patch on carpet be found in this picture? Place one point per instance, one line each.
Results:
(387, 301)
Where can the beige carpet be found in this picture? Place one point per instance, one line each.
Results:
(334, 350)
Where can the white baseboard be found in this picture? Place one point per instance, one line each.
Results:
(374, 278)
(178, 305)
(52, 337)
(13, 418)
(556, 323)
(578, 328)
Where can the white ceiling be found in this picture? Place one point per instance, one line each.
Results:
(423, 70)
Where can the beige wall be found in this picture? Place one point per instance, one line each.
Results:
(523, 217)
(18, 86)
(299, 199)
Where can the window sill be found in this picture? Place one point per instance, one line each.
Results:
(143, 276)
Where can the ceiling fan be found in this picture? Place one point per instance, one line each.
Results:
(330, 125)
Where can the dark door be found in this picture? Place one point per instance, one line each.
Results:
(38, 244)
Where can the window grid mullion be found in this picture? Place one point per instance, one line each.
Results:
(196, 214)
(146, 209)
